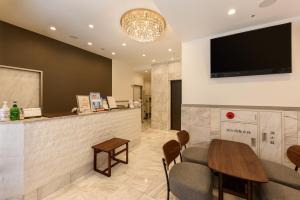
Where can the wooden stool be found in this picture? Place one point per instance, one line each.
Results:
(109, 147)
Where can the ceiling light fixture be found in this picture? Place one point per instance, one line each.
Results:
(146, 71)
(231, 12)
(143, 25)
(170, 50)
(53, 28)
(124, 44)
(91, 26)
(113, 53)
(90, 44)
(143, 55)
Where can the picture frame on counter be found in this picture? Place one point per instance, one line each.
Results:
(96, 101)
(111, 102)
(83, 103)
(105, 103)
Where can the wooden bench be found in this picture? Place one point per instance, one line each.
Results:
(110, 147)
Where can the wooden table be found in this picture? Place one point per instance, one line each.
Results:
(236, 160)
(110, 147)
(293, 153)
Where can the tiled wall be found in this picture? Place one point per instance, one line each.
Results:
(270, 132)
(58, 151)
(161, 75)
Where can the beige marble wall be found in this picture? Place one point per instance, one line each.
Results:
(161, 75)
(58, 151)
(272, 131)
(21, 86)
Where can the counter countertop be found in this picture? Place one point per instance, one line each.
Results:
(64, 116)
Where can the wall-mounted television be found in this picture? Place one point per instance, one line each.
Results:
(262, 51)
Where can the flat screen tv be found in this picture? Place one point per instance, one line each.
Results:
(263, 51)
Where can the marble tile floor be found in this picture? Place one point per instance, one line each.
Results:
(142, 179)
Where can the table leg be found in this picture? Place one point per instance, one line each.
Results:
(126, 153)
(109, 164)
(220, 186)
(95, 160)
(249, 190)
(113, 154)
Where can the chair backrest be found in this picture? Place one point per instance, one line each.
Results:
(171, 151)
(183, 137)
(293, 153)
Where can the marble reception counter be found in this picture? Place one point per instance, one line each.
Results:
(39, 156)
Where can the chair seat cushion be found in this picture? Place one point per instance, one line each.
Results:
(195, 155)
(276, 191)
(281, 174)
(190, 181)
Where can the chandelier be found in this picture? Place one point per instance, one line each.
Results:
(143, 25)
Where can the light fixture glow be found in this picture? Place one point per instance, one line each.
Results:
(170, 50)
(153, 60)
(90, 44)
(124, 44)
(231, 11)
(146, 71)
(143, 55)
(113, 53)
(53, 28)
(143, 25)
(91, 26)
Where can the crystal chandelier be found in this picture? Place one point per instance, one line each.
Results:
(143, 25)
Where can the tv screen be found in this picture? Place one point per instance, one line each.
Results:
(263, 51)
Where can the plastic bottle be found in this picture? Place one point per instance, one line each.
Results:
(14, 112)
(4, 112)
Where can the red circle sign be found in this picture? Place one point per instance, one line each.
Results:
(230, 115)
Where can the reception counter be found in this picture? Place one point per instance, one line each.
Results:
(39, 156)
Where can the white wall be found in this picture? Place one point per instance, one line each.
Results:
(123, 77)
(263, 90)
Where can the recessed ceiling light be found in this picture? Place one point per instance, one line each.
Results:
(53, 28)
(146, 71)
(113, 53)
(231, 12)
(170, 50)
(124, 44)
(90, 44)
(143, 55)
(91, 26)
(153, 60)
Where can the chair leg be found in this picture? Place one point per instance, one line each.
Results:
(168, 195)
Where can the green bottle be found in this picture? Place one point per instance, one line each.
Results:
(14, 112)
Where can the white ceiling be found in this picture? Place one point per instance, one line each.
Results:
(193, 19)
(72, 17)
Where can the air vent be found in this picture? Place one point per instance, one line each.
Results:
(267, 3)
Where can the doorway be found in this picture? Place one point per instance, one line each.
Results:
(137, 92)
(176, 100)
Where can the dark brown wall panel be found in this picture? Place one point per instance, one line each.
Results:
(68, 70)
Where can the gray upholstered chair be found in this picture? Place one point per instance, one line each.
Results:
(187, 181)
(191, 154)
(281, 174)
(276, 191)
